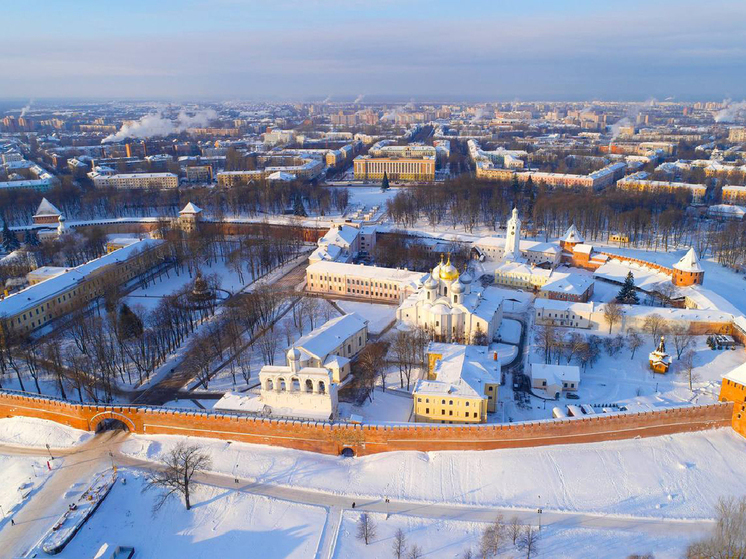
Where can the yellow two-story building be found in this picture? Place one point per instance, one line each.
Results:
(461, 386)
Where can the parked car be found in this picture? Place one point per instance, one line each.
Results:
(571, 396)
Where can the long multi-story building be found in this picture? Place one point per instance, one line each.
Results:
(198, 173)
(639, 181)
(599, 179)
(37, 305)
(737, 134)
(367, 283)
(135, 180)
(734, 194)
(396, 168)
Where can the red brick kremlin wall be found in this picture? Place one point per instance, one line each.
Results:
(370, 439)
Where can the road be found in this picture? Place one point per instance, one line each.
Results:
(73, 466)
(81, 463)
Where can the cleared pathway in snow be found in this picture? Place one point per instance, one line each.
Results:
(82, 462)
(73, 469)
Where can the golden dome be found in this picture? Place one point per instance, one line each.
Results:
(448, 271)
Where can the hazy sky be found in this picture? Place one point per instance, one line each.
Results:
(429, 49)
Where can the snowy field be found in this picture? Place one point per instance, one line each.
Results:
(675, 476)
(386, 406)
(509, 331)
(29, 431)
(451, 538)
(168, 283)
(378, 316)
(370, 196)
(222, 523)
(21, 477)
(602, 500)
(620, 379)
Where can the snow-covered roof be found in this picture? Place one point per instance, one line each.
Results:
(368, 272)
(281, 176)
(727, 209)
(46, 208)
(572, 235)
(558, 305)
(191, 209)
(52, 287)
(329, 336)
(461, 371)
(569, 284)
(583, 248)
(555, 374)
(689, 262)
(252, 403)
(737, 375)
(340, 235)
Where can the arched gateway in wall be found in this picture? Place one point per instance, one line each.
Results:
(95, 423)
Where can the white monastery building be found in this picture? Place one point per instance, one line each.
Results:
(452, 308)
(366, 283)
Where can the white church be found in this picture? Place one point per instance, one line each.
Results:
(452, 308)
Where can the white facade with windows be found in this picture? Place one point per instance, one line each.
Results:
(449, 306)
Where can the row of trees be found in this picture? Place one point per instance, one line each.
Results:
(98, 347)
(253, 199)
(496, 537)
(553, 345)
(651, 220)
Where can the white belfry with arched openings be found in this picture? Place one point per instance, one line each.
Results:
(299, 390)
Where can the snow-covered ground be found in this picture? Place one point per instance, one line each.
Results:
(675, 476)
(451, 538)
(370, 196)
(21, 476)
(378, 316)
(29, 431)
(599, 500)
(509, 331)
(621, 379)
(386, 406)
(222, 523)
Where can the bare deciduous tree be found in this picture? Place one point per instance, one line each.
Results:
(634, 341)
(528, 541)
(729, 536)
(687, 368)
(656, 326)
(514, 529)
(492, 538)
(682, 339)
(415, 552)
(545, 340)
(400, 544)
(366, 528)
(613, 313)
(179, 466)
